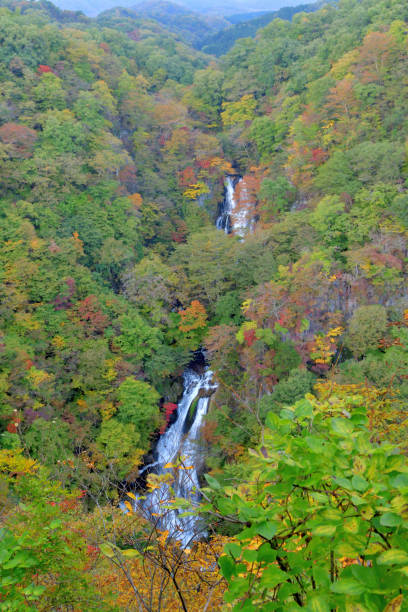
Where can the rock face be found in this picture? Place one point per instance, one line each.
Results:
(238, 210)
(243, 215)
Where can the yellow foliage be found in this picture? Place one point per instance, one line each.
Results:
(342, 66)
(58, 341)
(26, 320)
(336, 331)
(38, 377)
(323, 348)
(194, 191)
(240, 111)
(110, 374)
(107, 410)
(78, 243)
(36, 243)
(246, 305)
(387, 414)
(198, 580)
(222, 164)
(13, 462)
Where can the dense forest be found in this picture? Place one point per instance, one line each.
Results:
(120, 147)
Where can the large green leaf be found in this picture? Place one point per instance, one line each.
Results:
(267, 529)
(348, 586)
(389, 519)
(394, 556)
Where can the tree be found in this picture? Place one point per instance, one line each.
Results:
(49, 441)
(367, 326)
(263, 132)
(19, 139)
(276, 196)
(238, 112)
(119, 444)
(49, 93)
(138, 339)
(138, 405)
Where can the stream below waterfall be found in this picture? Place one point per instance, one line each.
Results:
(181, 439)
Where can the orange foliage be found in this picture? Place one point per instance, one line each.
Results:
(342, 99)
(19, 138)
(187, 177)
(196, 575)
(136, 200)
(193, 317)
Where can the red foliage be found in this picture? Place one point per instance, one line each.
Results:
(42, 69)
(105, 47)
(128, 176)
(169, 408)
(203, 163)
(62, 301)
(178, 237)
(68, 504)
(319, 156)
(91, 316)
(13, 425)
(180, 233)
(187, 177)
(250, 337)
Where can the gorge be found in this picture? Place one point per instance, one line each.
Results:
(178, 452)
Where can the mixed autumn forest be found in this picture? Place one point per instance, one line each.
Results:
(119, 142)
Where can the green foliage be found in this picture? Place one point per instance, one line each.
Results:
(49, 441)
(288, 391)
(277, 194)
(138, 405)
(138, 339)
(112, 273)
(263, 133)
(367, 326)
(42, 555)
(119, 443)
(322, 514)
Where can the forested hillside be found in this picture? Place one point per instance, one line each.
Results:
(188, 25)
(120, 149)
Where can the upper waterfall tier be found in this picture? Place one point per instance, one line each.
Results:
(236, 212)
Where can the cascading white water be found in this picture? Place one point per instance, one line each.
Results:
(177, 442)
(235, 219)
(223, 221)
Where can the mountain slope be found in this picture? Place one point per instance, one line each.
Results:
(188, 25)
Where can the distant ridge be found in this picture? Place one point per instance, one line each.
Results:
(222, 42)
(188, 24)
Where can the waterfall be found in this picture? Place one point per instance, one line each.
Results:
(223, 221)
(180, 440)
(233, 218)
